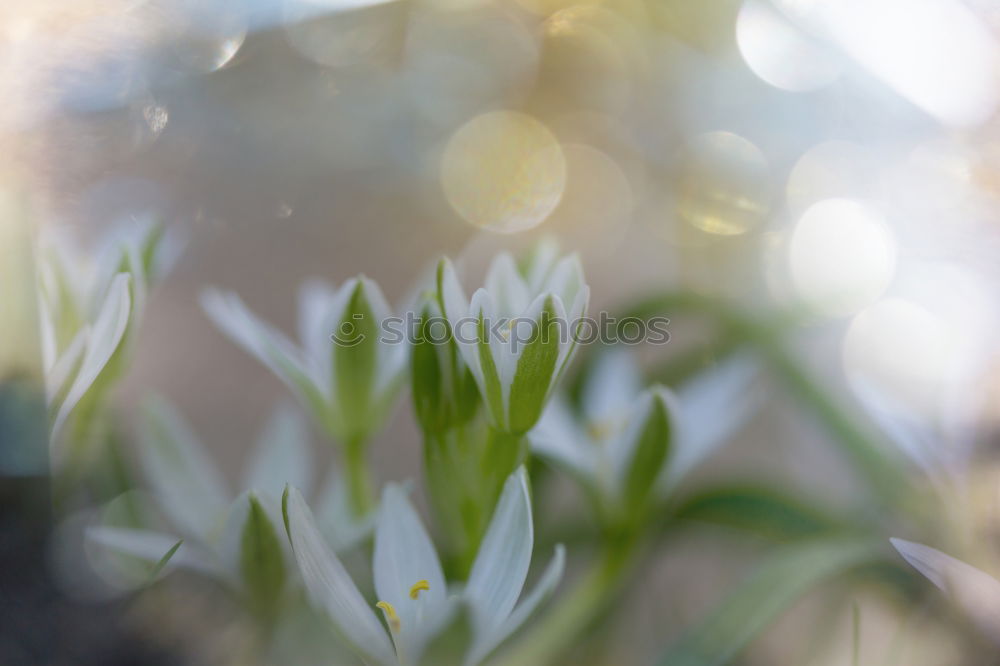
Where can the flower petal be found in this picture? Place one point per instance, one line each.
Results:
(335, 516)
(540, 263)
(485, 644)
(506, 286)
(152, 546)
(330, 587)
(612, 388)
(566, 279)
(405, 555)
(104, 339)
(266, 344)
(501, 565)
(317, 299)
(185, 480)
(66, 366)
(283, 455)
(976, 592)
(712, 407)
(641, 454)
(452, 298)
(483, 357)
(536, 363)
(558, 439)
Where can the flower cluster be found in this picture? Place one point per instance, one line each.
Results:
(90, 313)
(485, 405)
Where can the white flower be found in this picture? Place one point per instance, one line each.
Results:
(90, 305)
(518, 332)
(351, 383)
(412, 591)
(625, 429)
(975, 592)
(214, 523)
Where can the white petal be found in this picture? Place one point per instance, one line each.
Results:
(329, 586)
(456, 305)
(316, 299)
(566, 279)
(524, 610)
(501, 565)
(573, 316)
(262, 341)
(558, 438)
(542, 260)
(504, 360)
(507, 287)
(284, 455)
(508, 354)
(229, 545)
(392, 358)
(621, 446)
(612, 388)
(46, 326)
(104, 339)
(376, 299)
(184, 479)
(66, 366)
(335, 515)
(152, 546)
(975, 592)
(404, 555)
(711, 408)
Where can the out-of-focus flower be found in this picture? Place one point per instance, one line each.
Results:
(975, 592)
(344, 371)
(518, 332)
(91, 304)
(633, 444)
(413, 594)
(235, 540)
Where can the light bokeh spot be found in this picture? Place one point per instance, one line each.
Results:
(503, 171)
(842, 256)
(780, 53)
(723, 185)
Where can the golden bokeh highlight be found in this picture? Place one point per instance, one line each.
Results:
(503, 171)
(723, 184)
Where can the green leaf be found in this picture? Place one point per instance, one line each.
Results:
(781, 579)
(760, 510)
(163, 561)
(262, 563)
(649, 454)
(534, 373)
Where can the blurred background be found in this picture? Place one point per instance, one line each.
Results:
(839, 159)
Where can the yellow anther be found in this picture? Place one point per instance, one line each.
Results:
(599, 430)
(417, 587)
(390, 614)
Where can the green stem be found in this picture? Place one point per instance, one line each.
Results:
(575, 612)
(358, 476)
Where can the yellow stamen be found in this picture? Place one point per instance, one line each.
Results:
(417, 587)
(390, 614)
(599, 430)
